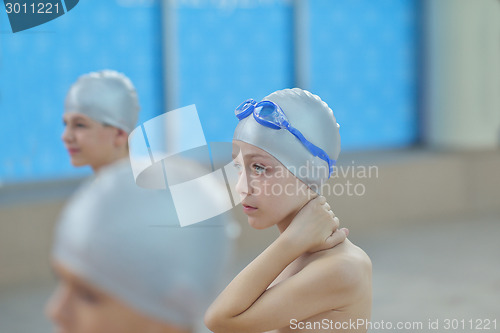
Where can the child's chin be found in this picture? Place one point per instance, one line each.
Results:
(258, 224)
(77, 162)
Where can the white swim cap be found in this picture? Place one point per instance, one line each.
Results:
(107, 96)
(127, 242)
(313, 118)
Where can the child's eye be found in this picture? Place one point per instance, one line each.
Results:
(87, 296)
(259, 169)
(80, 125)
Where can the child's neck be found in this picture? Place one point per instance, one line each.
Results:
(285, 223)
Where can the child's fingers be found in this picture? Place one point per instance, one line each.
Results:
(332, 214)
(336, 238)
(336, 222)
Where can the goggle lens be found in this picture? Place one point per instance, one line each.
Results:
(245, 108)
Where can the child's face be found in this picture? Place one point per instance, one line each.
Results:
(89, 142)
(78, 307)
(269, 192)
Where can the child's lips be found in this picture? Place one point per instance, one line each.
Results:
(73, 151)
(248, 209)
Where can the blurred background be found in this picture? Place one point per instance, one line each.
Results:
(414, 84)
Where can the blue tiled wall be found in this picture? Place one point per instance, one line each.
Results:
(229, 55)
(38, 66)
(363, 63)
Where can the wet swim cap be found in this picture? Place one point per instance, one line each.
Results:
(107, 97)
(127, 242)
(313, 118)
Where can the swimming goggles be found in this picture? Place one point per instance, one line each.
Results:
(269, 114)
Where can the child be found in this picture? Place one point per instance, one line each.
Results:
(125, 265)
(286, 147)
(101, 109)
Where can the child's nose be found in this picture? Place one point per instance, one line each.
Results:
(243, 185)
(57, 307)
(67, 135)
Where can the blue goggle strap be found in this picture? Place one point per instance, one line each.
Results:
(315, 150)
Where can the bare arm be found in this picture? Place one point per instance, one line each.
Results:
(246, 305)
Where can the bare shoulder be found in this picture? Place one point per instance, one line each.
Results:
(348, 261)
(345, 269)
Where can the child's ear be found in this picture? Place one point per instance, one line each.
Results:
(121, 138)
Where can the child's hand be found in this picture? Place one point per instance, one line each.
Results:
(314, 228)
